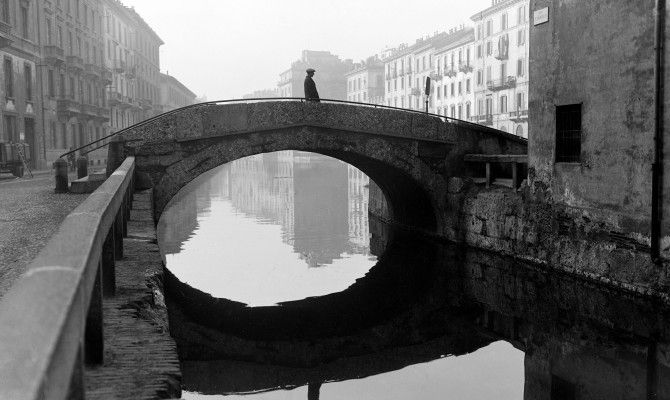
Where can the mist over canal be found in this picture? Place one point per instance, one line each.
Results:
(270, 228)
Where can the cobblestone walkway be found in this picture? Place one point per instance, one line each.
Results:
(140, 356)
(30, 213)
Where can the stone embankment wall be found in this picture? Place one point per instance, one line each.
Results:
(524, 223)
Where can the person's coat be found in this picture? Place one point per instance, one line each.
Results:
(310, 89)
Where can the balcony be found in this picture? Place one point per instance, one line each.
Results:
(91, 70)
(435, 77)
(75, 62)
(53, 55)
(416, 92)
(500, 84)
(5, 34)
(500, 55)
(117, 99)
(104, 114)
(120, 66)
(146, 104)
(486, 119)
(68, 107)
(465, 67)
(518, 115)
(89, 110)
(106, 75)
(450, 71)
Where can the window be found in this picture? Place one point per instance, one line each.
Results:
(479, 31)
(503, 21)
(521, 37)
(60, 37)
(479, 51)
(489, 106)
(480, 74)
(503, 104)
(9, 78)
(503, 71)
(28, 76)
(53, 139)
(489, 26)
(460, 87)
(50, 83)
(4, 11)
(568, 133)
(519, 130)
(489, 48)
(24, 20)
(467, 110)
(71, 93)
(10, 129)
(520, 105)
(460, 111)
(521, 15)
(452, 90)
(520, 67)
(48, 32)
(467, 86)
(453, 111)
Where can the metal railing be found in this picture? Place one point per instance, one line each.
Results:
(105, 139)
(51, 318)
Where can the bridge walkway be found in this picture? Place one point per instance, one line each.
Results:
(140, 359)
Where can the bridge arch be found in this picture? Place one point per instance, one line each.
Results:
(407, 154)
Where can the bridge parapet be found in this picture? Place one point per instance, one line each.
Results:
(216, 120)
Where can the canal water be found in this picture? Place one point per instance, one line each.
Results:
(311, 297)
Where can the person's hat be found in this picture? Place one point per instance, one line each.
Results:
(310, 70)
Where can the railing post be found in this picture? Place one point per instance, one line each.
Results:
(488, 174)
(60, 166)
(82, 166)
(119, 232)
(115, 154)
(76, 390)
(93, 336)
(515, 175)
(108, 264)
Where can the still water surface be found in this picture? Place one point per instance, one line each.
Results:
(419, 320)
(270, 228)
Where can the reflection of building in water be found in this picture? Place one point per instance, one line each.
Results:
(321, 220)
(320, 203)
(262, 186)
(359, 227)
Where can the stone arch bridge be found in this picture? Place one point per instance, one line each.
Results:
(408, 154)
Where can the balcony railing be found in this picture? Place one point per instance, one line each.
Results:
(5, 34)
(465, 67)
(75, 62)
(69, 107)
(53, 55)
(91, 69)
(486, 119)
(500, 84)
(106, 75)
(518, 115)
(89, 109)
(119, 66)
(500, 55)
(450, 71)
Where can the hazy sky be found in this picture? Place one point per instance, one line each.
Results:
(226, 48)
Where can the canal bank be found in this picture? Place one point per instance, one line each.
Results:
(524, 223)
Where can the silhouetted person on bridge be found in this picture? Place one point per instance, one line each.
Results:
(310, 87)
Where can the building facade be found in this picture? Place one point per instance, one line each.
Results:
(173, 94)
(501, 66)
(329, 76)
(365, 82)
(453, 91)
(262, 94)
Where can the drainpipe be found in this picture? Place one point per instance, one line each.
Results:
(657, 166)
(40, 91)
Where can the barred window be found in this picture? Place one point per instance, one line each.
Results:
(568, 133)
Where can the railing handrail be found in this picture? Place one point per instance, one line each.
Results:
(43, 315)
(262, 99)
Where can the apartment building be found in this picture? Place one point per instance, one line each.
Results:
(501, 66)
(453, 90)
(131, 52)
(365, 82)
(173, 94)
(407, 67)
(329, 76)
